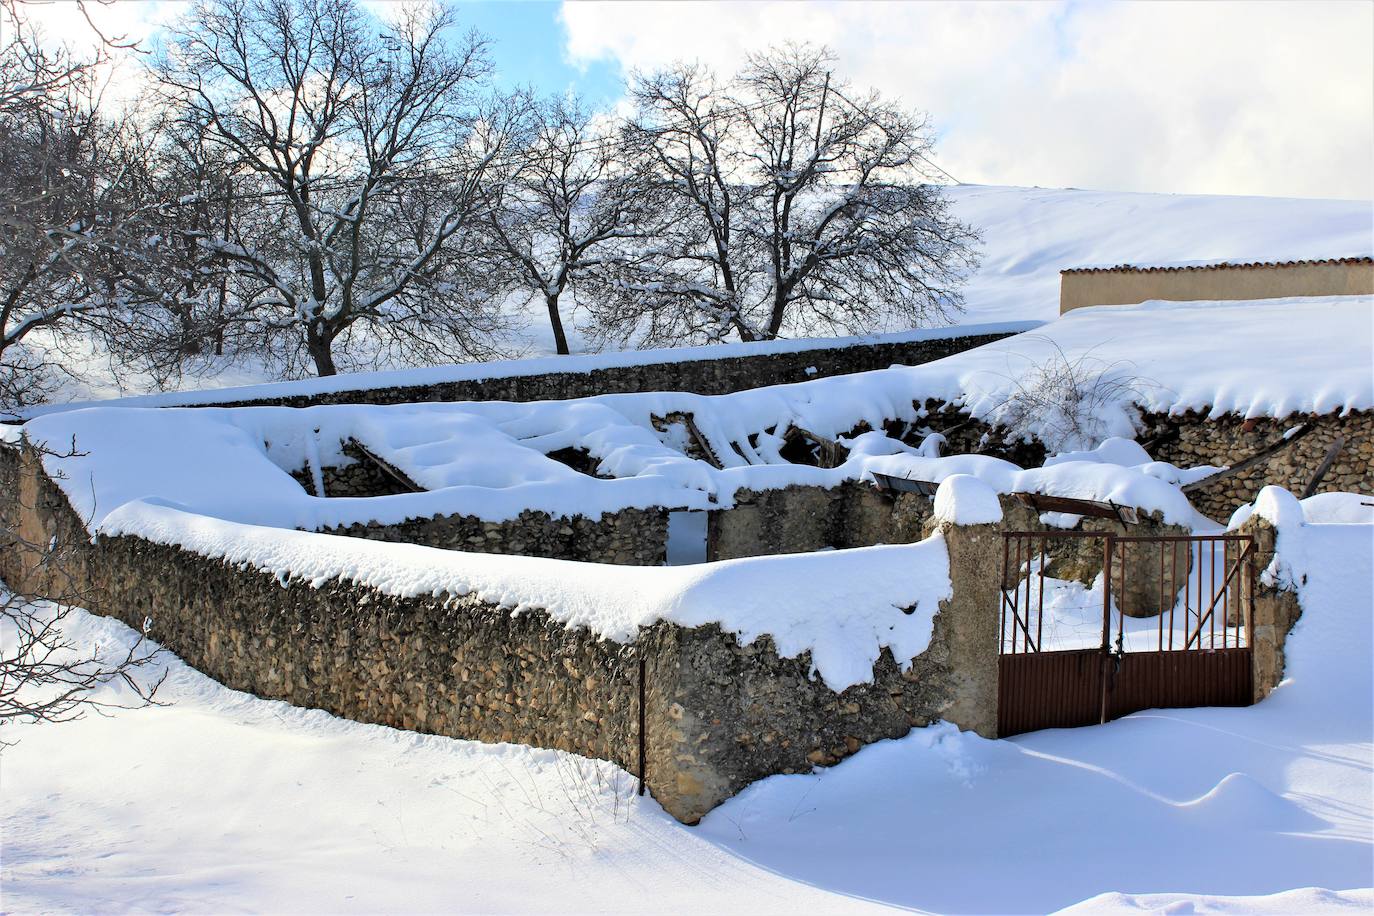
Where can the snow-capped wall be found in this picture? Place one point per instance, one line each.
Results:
(809, 656)
(718, 369)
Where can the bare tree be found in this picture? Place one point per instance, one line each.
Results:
(691, 281)
(185, 285)
(364, 156)
(71, 215)
(566, 204)
(804, 207)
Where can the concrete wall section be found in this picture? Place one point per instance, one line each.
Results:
(1126, 285)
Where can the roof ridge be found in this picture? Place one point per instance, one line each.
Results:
(1216, 265)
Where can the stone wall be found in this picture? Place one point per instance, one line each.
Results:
(718, 715)
(738, 713)
(800, 519)
(1276, 611)
(352, 479)
(630, 537)
(706, 375)
(1193, 439)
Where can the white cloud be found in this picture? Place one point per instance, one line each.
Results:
(85, 28)
(1226, 98)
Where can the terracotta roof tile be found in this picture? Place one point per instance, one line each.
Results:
(1216, 265)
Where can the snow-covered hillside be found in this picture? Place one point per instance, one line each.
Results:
(222, 802)
(1030, 234)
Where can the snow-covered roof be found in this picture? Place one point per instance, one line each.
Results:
(489, 459)
(1225, 264)
(215, 480)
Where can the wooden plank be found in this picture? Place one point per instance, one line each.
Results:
(893, 484)
(1259, 457)
(1042, 502)
(1328, 460)
(386, 468)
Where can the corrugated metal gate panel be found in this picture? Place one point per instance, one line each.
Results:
(1068, 688)
(1176, 680)
(1048, 690)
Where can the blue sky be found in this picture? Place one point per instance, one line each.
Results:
(529, 44)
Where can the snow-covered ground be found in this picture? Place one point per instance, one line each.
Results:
(220, 802)
(1029, 235)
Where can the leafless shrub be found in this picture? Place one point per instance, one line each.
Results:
(44, 675)
(1065, 401)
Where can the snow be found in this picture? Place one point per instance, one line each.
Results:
(1267, 358)
(1304, 355)
(1302, 900)
(488, 459)
(582, 363)
(1346, 508)
(485, 459)
(792, 598)
(1031, 234)
(962, 499)
(222, 802)
(1115, 450)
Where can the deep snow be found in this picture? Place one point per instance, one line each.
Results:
(222, 802)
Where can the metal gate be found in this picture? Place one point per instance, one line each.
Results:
(1068, 655)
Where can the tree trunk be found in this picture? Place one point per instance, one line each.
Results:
(319, 345)
(778, 313)
(560, 339)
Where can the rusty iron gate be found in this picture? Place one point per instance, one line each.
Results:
(1190, 600)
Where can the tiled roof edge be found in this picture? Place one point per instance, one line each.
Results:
(1219, 265)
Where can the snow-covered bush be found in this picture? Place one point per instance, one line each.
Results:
(1071, 402)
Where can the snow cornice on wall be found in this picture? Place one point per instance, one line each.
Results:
(713, 369)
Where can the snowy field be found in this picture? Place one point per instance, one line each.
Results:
(1029, 235)
(220, 802)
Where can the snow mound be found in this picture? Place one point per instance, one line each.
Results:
(1240, 801)
(1339, 509)
(963, 499)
